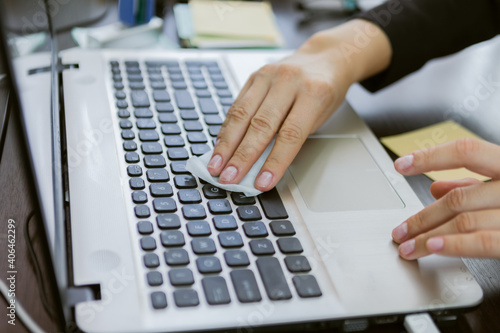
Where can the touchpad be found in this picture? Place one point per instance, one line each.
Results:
(339, 174)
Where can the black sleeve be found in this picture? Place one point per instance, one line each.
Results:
(420, 30)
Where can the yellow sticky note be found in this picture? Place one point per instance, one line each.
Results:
(403, 144)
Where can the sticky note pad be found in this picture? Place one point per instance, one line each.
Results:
(404, 144)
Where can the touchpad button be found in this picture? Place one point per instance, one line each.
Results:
(339, 174)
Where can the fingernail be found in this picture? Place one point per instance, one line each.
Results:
(407, 247)
(405, 162)
(228, 174)
(399, 233)
(435, 244)
(264, 179)
(215, 162)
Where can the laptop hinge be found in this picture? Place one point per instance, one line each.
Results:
(60, 68)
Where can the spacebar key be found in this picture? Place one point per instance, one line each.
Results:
(272, 205)
(273, 278)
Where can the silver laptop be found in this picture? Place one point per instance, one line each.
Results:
(140, 245)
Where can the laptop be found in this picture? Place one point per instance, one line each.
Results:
(139, 245)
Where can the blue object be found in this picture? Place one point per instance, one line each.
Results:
(135, 12)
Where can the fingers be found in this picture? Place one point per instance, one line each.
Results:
(464, 223)
(440, 188)
(237, 120)
(484, 244)
(458, 200)
(478, 156)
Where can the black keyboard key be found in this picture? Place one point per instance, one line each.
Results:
(195, 73)
(164, 205)
(199, 149)
(306, 286)
(207, 105)
(158, 175)
(164, 107)
(200, 85)
(161, 95)
(134, 170)
(214, 130)
(159, 300)
(203, 93)
(122, 104)
(183, 99)
(144, 227)
(194, 212)
(220, 85)
(118, 78)
(175, 154)
(236, 258)
(167, 118)
(142, 211)
(197, 137)
(215, 289)
(176, 77)
(151, 260)
(137, 85)
(154, 161)
(155, 75)
(168, 221)
(132, 157)
(203, 245)
(216, 77)
(148, 135)
(249, 213)
(151, 148)
(193, 125)
(172, 238)
(148, 243)
(139, 197)
(174, 70)
(261, 247)
(125, 124)
(128, 134)
(160, 85)
(207, 265)
(175, 257)
(139, 99)
(214, 119)
(129, 145)
(170, 129)
(161, 190)
(272, 205)
(186, 297)
(154, 278)
(273, 278)
(225, 222)
(179, 85)
(200, 63)
(213, 192)
(178, 167)
(174, 141)
(189, 196)
(255, 229)
(224, 93)
(241, 199)
(131, 64)
(245, 286)
(136, 183)
(297, 264)
(219, 206)
(226, 101)
(289, 245)
(228, 239)
(143, 113)
(135, 77)
(159, 63)
(181, 277)
(189, 115)
(185, 181)
(145, 123)
(282, 228)
(198, 228)
(118, 85)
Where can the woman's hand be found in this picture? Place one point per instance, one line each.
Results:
(291, 99)
(465, 220)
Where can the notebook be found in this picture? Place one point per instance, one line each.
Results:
(140, 245)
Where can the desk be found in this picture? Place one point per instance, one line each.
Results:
(409, 104)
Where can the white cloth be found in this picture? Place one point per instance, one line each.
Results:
(198, 167)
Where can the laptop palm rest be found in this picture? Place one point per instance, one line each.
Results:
(339, 174)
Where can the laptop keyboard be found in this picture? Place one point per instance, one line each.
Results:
(168, 111)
